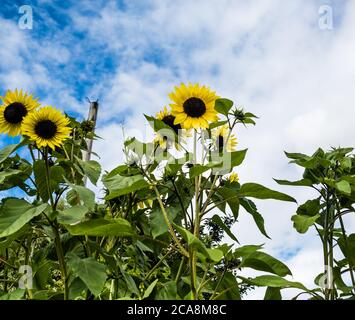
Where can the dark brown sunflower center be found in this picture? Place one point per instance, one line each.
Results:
(169, 121)
(15, 112)
(220, 142)
(46, 129)
(194, 107)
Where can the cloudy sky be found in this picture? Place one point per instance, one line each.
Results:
(274, 57)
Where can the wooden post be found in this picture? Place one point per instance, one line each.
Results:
(94, 107)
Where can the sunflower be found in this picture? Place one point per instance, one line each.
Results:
(233, 177)
(46, 127)
(166, 117)
(15, 106)
(221, 135)
(193, 106)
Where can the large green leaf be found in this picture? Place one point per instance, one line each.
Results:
(157, 222)
(72, 215)
(250, 207)
(274, 282)
(223, 106)
(91, 272)
(199, 169)
(302, 223)
(8, 150)
(302, 182)
(166, 291)
(263, 262)
(237, 157)
(344, 187)
(8, 173)
(120, 185)
(79, 195)
(196, 244)
(102, 227)
(56, 176)
(258, 191)
(92, 169)
(15, 213)
(273, 294)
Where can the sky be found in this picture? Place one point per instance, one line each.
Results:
(275, 58)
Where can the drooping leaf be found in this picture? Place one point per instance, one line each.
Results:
(250, 207)
(90, 271)
(72, 215)
(217, 219)
(302, 223)
(302, 182)
(82, 196)
(120, 185)
(273, 294)
(92, 169)
(258, 191)
(263, 262)
(15, 213)
(274, 282)
(102, 227)
(195, 243)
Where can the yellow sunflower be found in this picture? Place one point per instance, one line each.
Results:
(221, 135)
(233, 177)
(15, 106)
(166, 117)
(46, 127)
(193, 106)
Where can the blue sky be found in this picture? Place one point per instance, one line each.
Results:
(269, 56)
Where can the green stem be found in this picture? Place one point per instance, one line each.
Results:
(167, 221)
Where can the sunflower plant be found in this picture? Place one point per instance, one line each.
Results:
(165, 226)
(331, 174)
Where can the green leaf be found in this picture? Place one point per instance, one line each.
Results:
(217, 124)
(92, 170)
(223, 106)
(196, 244)
(246, 250)
(347, 246)
(302, 182)
(7, 174)
(198, 169)
(250, 207)
(150, 289)
(344, 187)
(120, 185)
(274, 282)
(309, 208)
(273, 294)
(237, 157)
(217, 220)
(17, 294)
(56, 174)
(15, 213)
(167, 291)
(79, 195)
(258, 191)
(263, 262)
(157, 222)
(91, 272)
(232, 198)
(102, 227)
(8, 150)
(302, 223)
(72, 215)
